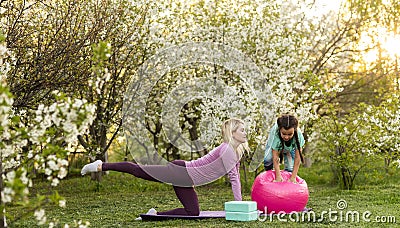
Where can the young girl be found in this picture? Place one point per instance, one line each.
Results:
(285, 142)
(184, 175)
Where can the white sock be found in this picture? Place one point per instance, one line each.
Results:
(151, 211)
(91, 167)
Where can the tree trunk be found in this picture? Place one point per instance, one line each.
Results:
(98, 175)
(387, 164)
(344, 178)
(198, 146)
(307, 160)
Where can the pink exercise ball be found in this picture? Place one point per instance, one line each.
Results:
(279, 197)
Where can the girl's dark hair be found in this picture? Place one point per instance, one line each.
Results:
(288, 121)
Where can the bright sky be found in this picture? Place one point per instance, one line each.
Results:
(327, 5)
(324, 6)
(392, 45)
(389, 42)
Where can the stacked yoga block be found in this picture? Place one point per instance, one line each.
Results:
(241, 210)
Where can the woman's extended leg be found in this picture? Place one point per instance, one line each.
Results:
(186, 195)
(128, 167)
(175, 172)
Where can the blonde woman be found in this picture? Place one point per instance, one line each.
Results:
(184, 175)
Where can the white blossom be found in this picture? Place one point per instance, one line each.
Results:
(55, 181)
(48, 171)
(40, 216)
(52, 165)
(62, 203)
(24, 178)
(62, 173)
(11, 176)
(398, 163)
(7, 194)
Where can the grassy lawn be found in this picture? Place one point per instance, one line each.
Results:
(119, 199)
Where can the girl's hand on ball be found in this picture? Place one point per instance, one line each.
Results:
(278, 179)
(293, 180)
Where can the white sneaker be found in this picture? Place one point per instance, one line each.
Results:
(151, 211)
(91, 167)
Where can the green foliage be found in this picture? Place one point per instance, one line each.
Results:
(384, 122)
(2, 37)
(101, 53)
(344, 142)
(36, 148)
(85, 49)
(357, 140)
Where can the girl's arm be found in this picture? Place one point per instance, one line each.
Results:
(296, 166)
(276, 161)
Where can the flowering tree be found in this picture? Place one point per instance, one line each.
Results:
(272, 34)
(302, 61)
(364, 136)
(344, 142)
(303, 75)
(355, 130)
(384, 124)
(276, 51)
(36, 147)
(85, 49)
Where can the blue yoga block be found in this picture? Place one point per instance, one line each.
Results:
(241, 206)
(241, 216)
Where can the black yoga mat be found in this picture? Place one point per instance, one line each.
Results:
(202, 215)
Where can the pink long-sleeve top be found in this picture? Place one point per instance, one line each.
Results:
(218, 162)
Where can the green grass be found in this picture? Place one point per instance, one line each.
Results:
(119, 199)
